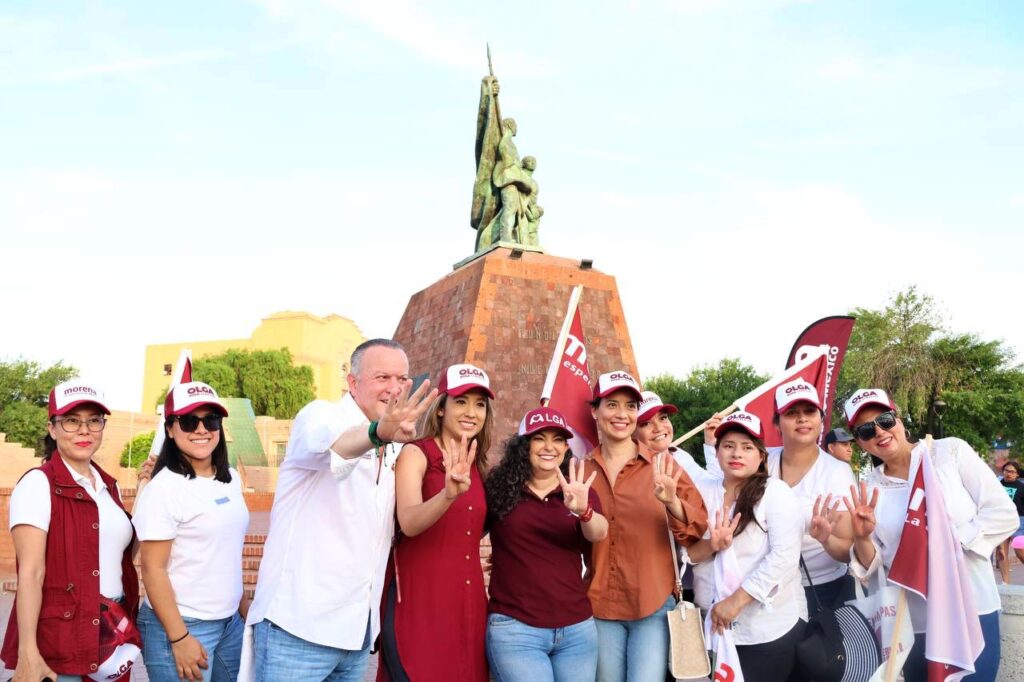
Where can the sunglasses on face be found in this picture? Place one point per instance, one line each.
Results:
(885, 421)
(190, 422)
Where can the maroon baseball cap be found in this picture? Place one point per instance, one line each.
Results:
(651, 405)
(620, 380)
(190, 396)
(544, 418)
(744, 420)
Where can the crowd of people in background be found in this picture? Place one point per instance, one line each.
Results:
(382, 500)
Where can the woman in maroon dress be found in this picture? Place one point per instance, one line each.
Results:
(435, 606)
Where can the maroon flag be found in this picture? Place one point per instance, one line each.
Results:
(812, 368)
(567, 386)
(182, 375)
(835, 332)
(929, 562)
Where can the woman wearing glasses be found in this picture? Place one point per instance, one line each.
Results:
(978, 509)
(191, 520)
(73, 539)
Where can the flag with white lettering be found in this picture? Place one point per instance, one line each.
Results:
(812, 368)
(567, 385)
(182, 375)
(929, 563)
(834, 331)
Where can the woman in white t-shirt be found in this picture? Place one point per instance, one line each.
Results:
(192, 520)
(978, 510)
(819, 482)
(759, 525)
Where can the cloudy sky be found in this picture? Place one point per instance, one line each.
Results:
(178, 171)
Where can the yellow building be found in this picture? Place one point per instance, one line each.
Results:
(323, 343)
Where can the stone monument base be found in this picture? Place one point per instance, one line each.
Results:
(502, 310)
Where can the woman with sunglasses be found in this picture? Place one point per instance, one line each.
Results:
(978, 509)
(191, 520)
(73, 542)
(435, 605)
(630, 575)
(542, 516)
(819, 481)
(757, 532)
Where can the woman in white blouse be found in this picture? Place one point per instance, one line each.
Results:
(761, 524)
(191, 520)
(978, 509)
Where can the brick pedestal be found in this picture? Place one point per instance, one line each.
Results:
(504, 314)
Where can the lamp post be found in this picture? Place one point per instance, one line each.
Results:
(939, 408)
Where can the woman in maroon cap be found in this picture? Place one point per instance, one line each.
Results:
(630, 574)
(542, 516)
(73, 541)
(435, 604)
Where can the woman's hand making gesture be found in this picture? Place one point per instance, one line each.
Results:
(862, 516)
(575, 491)
(458, 459)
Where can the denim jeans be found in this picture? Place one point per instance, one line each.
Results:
(634, 650)
(283, 657)
(520, 652)
(222, 640)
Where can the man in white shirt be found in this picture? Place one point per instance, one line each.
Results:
(316, 610)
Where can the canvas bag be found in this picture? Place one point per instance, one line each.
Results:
(880, 608)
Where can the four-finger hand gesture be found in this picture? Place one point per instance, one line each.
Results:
(458, 460)
(722, 531)
(575, 491)
(824, 517)
(862, 510)
(398, 425)
(664, 480)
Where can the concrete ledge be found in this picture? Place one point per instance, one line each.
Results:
(1011, 631)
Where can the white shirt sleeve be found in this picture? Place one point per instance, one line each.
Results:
(30, 502)
(315, 430)
(785, 527)
(155, 515)
(997, 518)
(711, 460)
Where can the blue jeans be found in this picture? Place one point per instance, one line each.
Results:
(634, 650)
(283, 657)
(222, 640)
(519, 652)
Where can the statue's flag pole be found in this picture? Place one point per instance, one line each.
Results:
(182, 375)
(567, 385)
(761, 401)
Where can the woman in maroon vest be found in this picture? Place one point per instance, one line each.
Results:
(73, 541)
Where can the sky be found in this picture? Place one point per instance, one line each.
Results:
(179, 171)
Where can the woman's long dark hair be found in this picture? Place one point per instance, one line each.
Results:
(506, 481)
(752, 489)
(174, 459)
(49, 447)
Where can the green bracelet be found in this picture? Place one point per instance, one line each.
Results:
(374, 438)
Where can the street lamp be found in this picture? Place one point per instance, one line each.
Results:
(939, 408)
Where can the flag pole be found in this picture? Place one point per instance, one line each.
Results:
(563, 336)
(741, 403)
(901, 611)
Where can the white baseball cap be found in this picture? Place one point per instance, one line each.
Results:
(190, 396)
(650, 405)
(863, 397)
(459, 379)
(610, 382)
(67, 396)
(795, 392)
(744, 420)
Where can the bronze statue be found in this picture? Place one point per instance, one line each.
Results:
(505, 194)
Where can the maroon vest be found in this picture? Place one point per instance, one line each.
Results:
(68, 631)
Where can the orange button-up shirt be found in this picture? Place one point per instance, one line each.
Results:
(630, 573)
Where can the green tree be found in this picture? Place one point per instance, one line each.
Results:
(136, 450)
(269, 378)
(703, 392)
(24, 391)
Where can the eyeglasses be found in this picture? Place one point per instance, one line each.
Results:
(886, 421)
(190, 422)
(74, 424)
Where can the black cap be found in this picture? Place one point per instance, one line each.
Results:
(837, 435)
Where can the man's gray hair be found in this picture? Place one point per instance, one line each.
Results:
(357, 355)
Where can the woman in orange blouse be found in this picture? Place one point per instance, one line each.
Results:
(630, 576)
